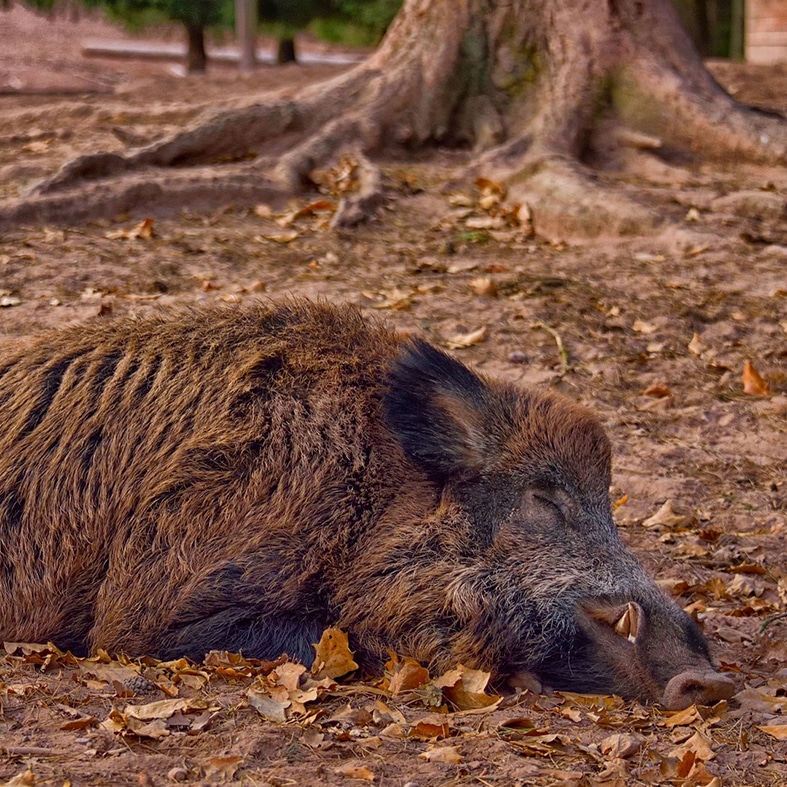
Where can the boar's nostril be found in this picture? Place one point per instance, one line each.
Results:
(696, 688)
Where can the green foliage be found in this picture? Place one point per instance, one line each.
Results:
(356, 22)
(374, 15)
(200, 13)
(292, 15)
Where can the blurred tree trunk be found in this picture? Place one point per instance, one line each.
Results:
(196, 59)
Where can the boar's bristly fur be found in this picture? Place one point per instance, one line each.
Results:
(241, 478)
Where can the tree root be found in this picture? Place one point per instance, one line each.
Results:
(630, 67)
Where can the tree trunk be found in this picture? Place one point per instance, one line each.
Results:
(196, 59)
(285, 52)
(550, 95)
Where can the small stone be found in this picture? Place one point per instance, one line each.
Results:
(177, 774)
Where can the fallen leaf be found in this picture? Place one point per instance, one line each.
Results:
(272, 708)
(753, 384)
(352, 771)
(447, 754)
(640, 326)
(462, 340)
(657, 391)
(407, 674)
(289, 675)
(460, 200)
(682, 718)
(333, 657)
(465, 688)
(485, 185)
(278, 237)
(156, 729)
(25, 779)
(696, 345)
(143, 231)
(163, 709)
(484, 286)
(778, 731)
(621, 745)
(664, 517)
(699, 745)
(433, 725)
(484, 222)
(222, 769)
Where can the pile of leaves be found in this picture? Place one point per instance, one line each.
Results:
(444, 720)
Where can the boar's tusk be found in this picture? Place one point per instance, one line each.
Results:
(629, 622)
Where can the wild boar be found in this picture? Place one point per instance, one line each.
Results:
(241, 478)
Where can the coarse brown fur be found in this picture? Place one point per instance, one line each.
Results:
(241, 478)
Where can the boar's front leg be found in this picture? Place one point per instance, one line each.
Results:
(241, 631)
(195, 611)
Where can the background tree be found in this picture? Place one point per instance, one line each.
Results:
(194, 15)
(547, 105)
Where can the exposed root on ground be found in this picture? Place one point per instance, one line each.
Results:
(632, 70)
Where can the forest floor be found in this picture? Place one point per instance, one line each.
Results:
(653, 333)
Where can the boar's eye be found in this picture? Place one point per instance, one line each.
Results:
(552, 502)
(555, 498)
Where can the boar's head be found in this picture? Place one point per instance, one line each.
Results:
(540, 582)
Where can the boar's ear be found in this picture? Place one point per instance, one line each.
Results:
(443, 414)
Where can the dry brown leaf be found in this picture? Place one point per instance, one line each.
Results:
(446, 754)
(385, 714)
(753, 384)
(778, 731)
(80, 724)
(407, 674)
(353, 771)
(163, 709)
(484, 286)
(696, 345)
(756, 701)
(657, 391)
(333, 657)
(430, 727)
(156, 729)
(460, 200)
(25, 779)
(646, 328)
(621, 745)
(278, 237)
(318, 206)
(222, 769)
(682, 718)
(484, 222)
(289, 675)
(399, 300)
(488, 201)
(465, 688)
(665, 517)
(143, 231)
(485, 185)
(621, 501)
(698, 744)
(461, 340)
(271, 706)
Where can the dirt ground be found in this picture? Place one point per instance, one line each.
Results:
(653, 333)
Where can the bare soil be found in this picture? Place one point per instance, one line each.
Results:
(653, 333)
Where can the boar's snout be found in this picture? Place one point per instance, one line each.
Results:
(696, 688)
